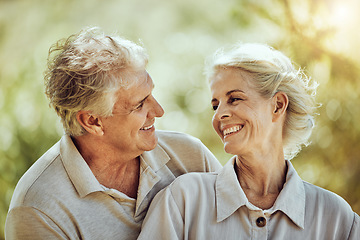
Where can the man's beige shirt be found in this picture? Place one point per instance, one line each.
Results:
(60, 198)
(214, 206)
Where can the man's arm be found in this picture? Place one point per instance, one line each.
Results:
(30, 223)
(212, 164)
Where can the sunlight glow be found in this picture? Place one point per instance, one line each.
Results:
(341, 15)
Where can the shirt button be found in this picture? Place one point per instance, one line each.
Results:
(261, 222)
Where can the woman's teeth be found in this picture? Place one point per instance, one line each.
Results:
(232, 130)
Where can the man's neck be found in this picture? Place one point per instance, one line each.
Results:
(122, 177)
(111, 168)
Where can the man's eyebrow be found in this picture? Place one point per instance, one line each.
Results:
(144, 99)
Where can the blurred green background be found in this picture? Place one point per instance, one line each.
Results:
(321, 36)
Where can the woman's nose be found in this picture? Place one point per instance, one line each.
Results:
(222, 112)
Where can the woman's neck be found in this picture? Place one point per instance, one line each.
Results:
(262, 178)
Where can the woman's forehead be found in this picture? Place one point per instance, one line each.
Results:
(230, 77)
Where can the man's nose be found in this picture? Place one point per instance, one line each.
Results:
(157, 110)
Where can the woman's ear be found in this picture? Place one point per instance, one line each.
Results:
(91, 123)
(281, 102)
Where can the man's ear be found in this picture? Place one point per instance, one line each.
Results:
(281, 102)
(91, 123)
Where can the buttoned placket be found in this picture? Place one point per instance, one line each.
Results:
(259, 224)
(291, 202)
(259, 220)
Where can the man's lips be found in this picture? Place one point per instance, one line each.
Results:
(147, 128)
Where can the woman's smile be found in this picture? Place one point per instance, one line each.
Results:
(231, 130)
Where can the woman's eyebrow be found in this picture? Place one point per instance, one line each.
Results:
(235, 90)
(228, 93)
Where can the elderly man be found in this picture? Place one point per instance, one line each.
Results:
(99, 179)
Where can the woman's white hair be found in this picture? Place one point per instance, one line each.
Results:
(271, 71)
(85, 71)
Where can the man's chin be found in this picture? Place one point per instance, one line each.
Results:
(151, 144)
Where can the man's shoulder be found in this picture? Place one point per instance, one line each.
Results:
(177, 141)
(175, 137)
(187, 153)
(184, 148)
(36, 178)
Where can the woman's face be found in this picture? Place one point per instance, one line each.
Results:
(242, 117)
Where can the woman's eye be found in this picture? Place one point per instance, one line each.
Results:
(233, 99)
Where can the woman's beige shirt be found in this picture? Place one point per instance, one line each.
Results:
(214, 206)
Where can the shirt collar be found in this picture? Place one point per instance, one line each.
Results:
(78, 171)
(151, 162)
(85, 181)
(291, 199)
(230, 196)
(155, 158)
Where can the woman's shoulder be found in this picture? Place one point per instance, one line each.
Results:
(193, 191)
(326, 202)
(193, 185)
(321, 194)
(327, 210)
(194, 181)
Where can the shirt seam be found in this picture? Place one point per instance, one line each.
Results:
(207, 163)
(173, 198)
(353, 222)
(37, 177)
(43, 213)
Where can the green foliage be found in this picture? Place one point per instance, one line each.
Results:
(179, 34)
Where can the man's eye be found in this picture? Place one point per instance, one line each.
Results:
(214, 107)
(138, 107)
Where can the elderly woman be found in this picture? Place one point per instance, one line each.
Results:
(263, 113)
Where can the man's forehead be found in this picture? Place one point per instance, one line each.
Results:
(130, 77)
(136, 91)
(140, 81)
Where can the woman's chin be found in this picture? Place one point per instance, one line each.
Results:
(231, 149)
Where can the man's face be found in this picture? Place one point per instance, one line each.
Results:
(130, 130)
